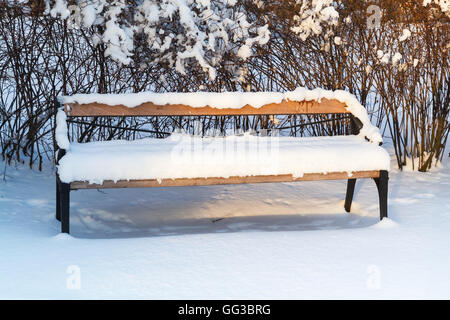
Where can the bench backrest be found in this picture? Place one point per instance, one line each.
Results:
(285, 107)
(301, 101)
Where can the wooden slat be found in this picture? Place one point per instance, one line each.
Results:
(216, 180)
(150, 109)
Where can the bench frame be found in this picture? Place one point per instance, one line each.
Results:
(149, 109)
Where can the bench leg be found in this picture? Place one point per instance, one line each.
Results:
(349, 196)
(58, 199)
(65, 206)
(382, 186)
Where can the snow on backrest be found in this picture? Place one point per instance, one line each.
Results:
(299, 101)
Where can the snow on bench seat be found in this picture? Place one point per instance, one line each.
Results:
(183, 156)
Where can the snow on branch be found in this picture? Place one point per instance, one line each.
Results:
(444, 5)
(177, 32)
(183, 33)
(313, 16)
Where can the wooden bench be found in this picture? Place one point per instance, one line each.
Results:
(149, 109)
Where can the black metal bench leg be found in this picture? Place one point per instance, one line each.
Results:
(382, 186)
(58, 199)
(349, 196)
(65, 207)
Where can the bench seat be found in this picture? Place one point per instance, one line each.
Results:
(178, 158)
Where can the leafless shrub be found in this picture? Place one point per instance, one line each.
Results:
(40, 58)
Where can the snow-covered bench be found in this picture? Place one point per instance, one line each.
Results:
(182, 160)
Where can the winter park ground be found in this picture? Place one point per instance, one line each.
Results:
(274, 241)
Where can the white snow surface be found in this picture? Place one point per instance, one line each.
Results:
(185, 156)
(261, 241)
(234, 100)
(61, 137)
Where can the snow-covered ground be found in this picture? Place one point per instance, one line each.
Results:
(285, 240)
